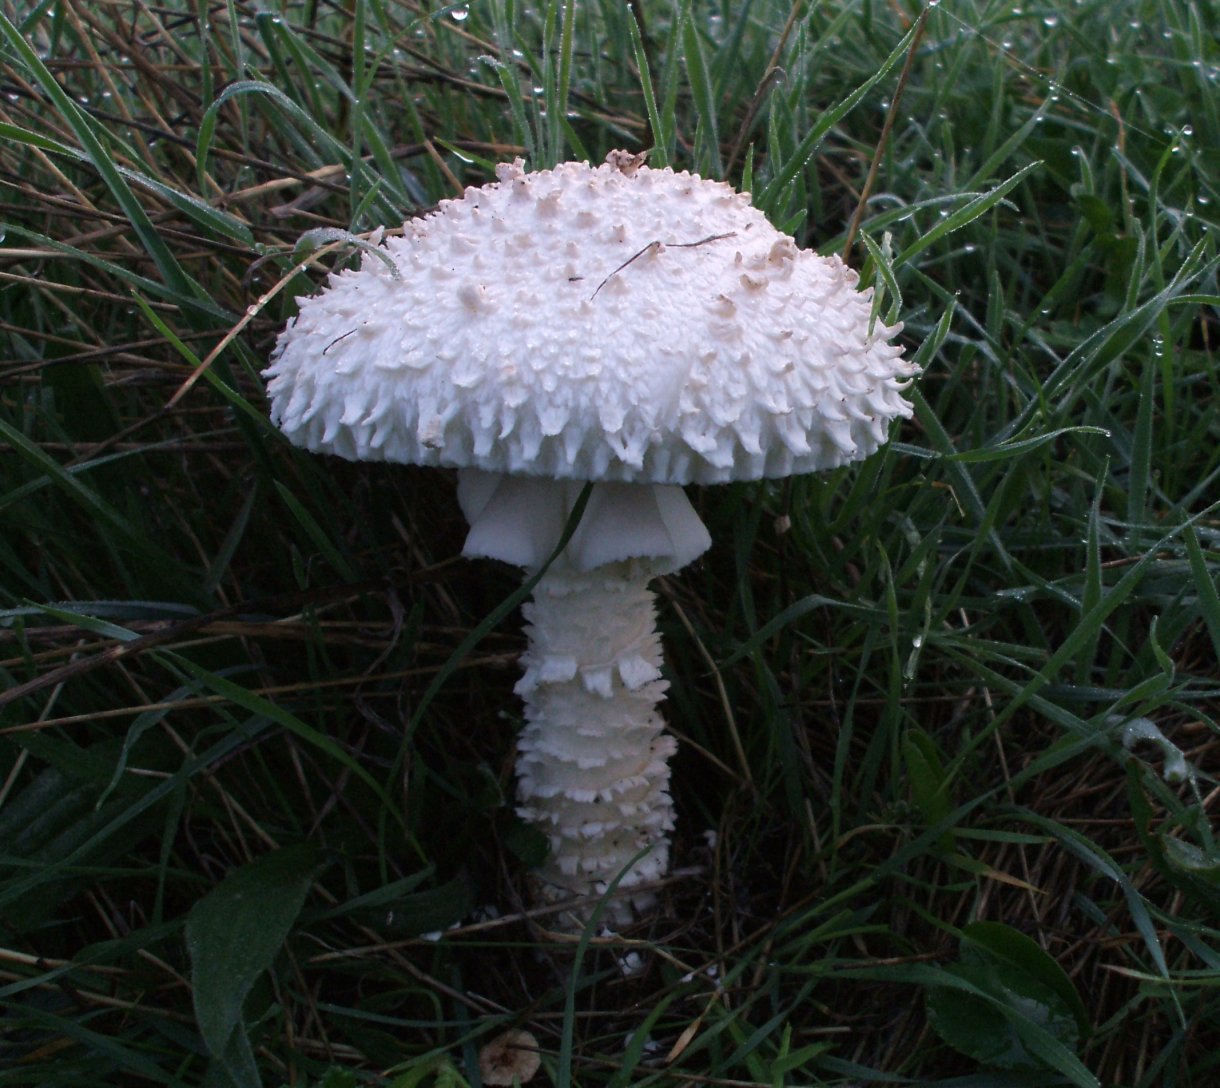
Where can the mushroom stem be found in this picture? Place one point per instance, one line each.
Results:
(593, 758)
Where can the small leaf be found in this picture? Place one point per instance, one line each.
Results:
(233, 934)
(1008, 1004)
(1008, 945)
(993, 1013)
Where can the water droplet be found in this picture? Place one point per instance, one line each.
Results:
(459, 15)
(1188, 130)
(1021, 593)
(1050, 20)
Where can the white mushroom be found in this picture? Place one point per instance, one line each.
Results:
(638, 328)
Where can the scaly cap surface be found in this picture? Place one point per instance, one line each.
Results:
(610, 323)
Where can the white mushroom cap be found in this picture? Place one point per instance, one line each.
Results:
(611, 323)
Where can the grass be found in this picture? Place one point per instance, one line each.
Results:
(935, 823)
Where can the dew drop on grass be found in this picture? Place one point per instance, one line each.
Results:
(1019, 594)
(459, 15)
(1050, 20)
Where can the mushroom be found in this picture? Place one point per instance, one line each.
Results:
(510, 1058)
(638, 329)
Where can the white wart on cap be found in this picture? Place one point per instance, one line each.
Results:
(593, 323)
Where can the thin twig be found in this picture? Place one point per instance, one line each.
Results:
(655, 245)
(772, 70)
(890, 116)
(251, 313)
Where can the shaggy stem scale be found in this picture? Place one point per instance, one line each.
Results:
(593, 759)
